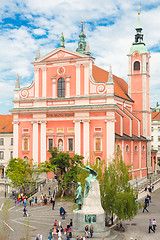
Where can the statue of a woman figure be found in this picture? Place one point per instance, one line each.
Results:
(92, 175)
(79, 198)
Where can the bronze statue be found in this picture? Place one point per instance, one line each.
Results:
(62, 40)
(79, 198)
(92, 175)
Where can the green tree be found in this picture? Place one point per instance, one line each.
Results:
(21, 172)
(116, 192)
(66, 167)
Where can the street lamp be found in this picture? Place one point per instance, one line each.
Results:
(5, 190)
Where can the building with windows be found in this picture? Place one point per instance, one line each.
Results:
(6, 141)
(155, 134)
(79, 107)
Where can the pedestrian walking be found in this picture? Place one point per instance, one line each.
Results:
(38, 237)
(49, 191)
(32, 201)
(67, 237)
(25, 202)
(15, 201)
(53, 203)
(145, 207)
(71, 222)
(63, 214)
(91, 231)
(60, 211)
(154, 224)
(36, 201)
(147, 199)
(25, 212)
(59, 235)
(55, 223)
(150, 226)
(45, 200)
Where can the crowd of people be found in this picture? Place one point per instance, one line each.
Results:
(57, 229)
(147, 201)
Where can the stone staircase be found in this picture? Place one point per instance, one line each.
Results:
(50, 183)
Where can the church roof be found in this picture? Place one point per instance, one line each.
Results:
(6, 124)
(120, 87)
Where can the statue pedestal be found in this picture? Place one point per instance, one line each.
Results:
(92, 213)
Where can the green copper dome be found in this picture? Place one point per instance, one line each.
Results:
(138, 45)
(83, 46)
(141, 48)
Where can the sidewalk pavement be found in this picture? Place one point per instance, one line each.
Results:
(138, 227)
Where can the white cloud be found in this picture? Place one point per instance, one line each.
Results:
(109, 43)
(39, 31)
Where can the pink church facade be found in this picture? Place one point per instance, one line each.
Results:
(78, 107)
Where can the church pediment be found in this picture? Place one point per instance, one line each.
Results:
(60, 53)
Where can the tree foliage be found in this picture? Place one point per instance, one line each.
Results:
(21, 172)
(66, 167)
(116, 192)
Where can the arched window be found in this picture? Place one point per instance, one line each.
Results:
(127, 148)
(136, 149)
(118, 148)
(147, 66)
(98, 160)
(60, 144)
(143, 148)
(136, 65)
(80, 46)
(25, 158)
(61, 87)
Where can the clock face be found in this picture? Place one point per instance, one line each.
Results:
(136, 54)
(61, 70)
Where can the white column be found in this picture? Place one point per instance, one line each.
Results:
(68, 86)
(77, 137)
(15, 139)
(86, 140)
(54, 92)
(140, 160)
(36, 81)
(44, 81)
(43, 141)
(122, 149)
(35, 142)
(144, 63)
(110, 132)
(86, 79)
(129, 73)
(132, 159)
(78, 85)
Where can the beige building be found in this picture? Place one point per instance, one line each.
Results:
(6, 141)
(155, 131)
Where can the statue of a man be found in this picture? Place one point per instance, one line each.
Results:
(92, 175)
(79, 198)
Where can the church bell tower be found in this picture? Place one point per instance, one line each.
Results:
(138, 84)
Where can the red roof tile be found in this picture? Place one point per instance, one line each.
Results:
(120, 87)
(6, 123)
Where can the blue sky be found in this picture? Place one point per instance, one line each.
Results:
(108, 25)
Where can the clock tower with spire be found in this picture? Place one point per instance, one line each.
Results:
(138, 84)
